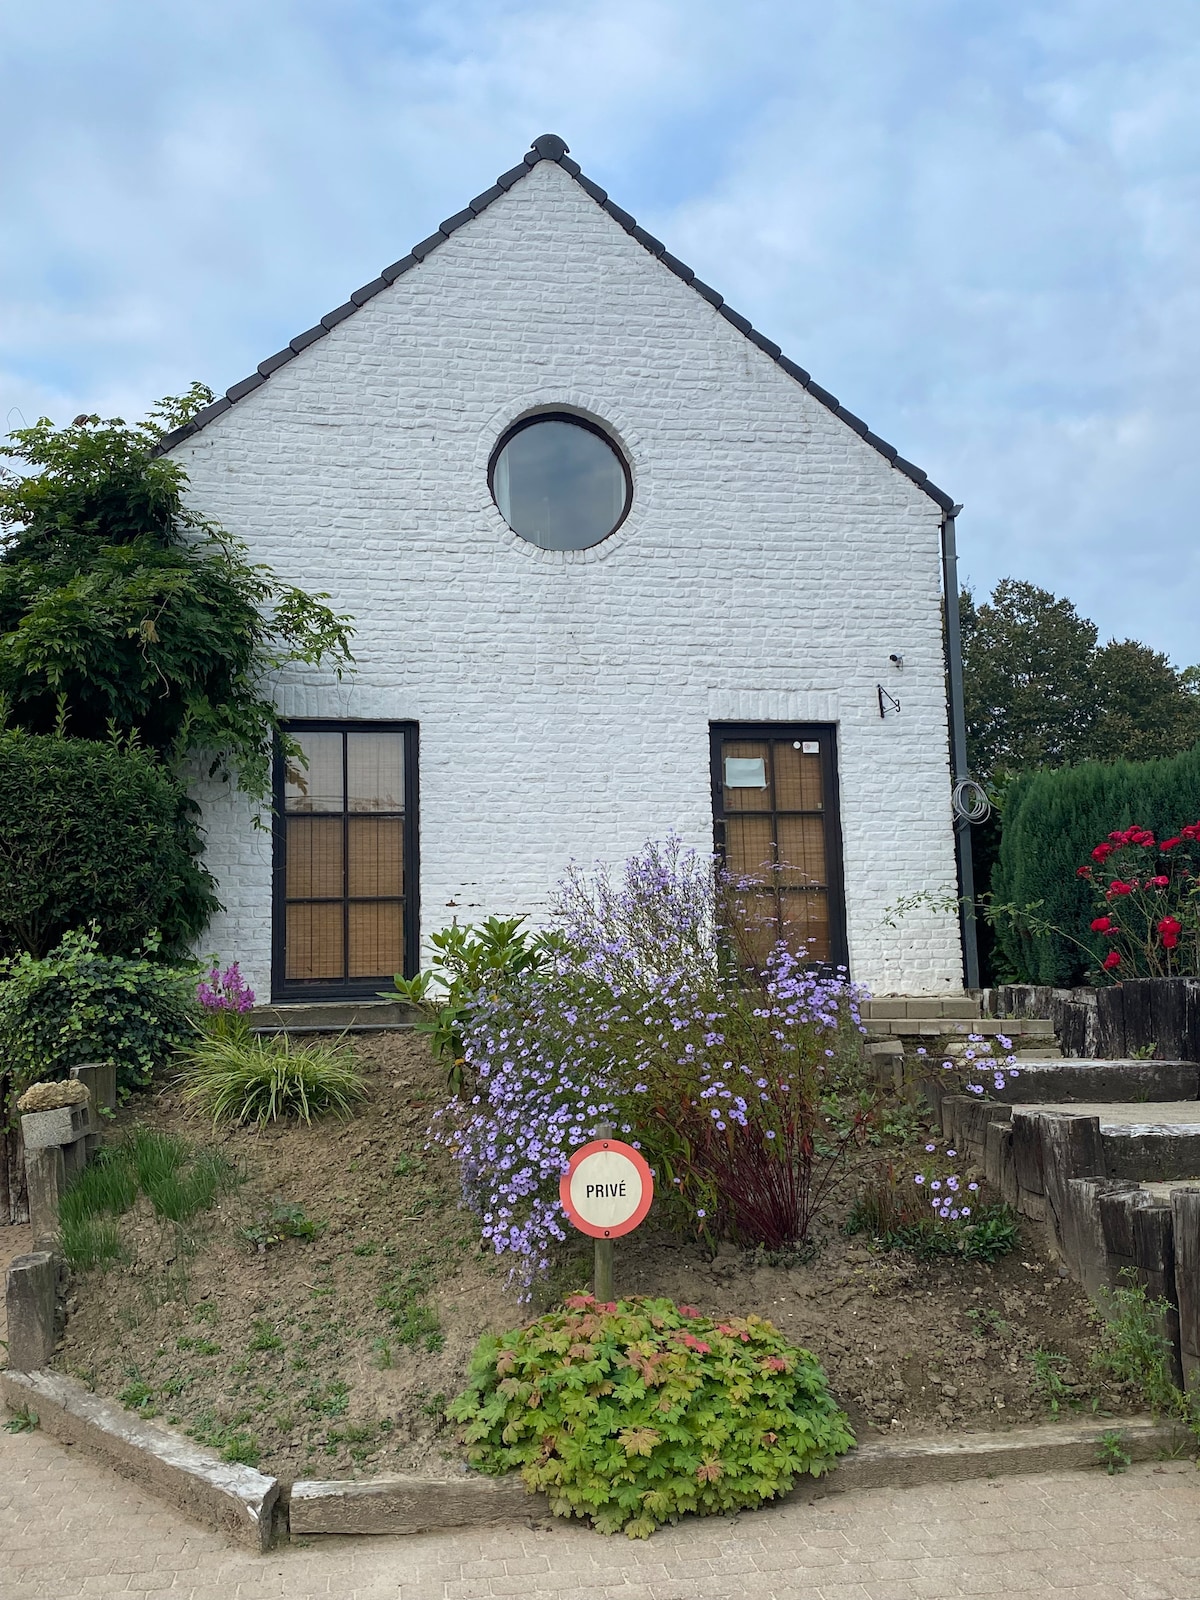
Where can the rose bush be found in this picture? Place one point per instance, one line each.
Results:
(1147, 901)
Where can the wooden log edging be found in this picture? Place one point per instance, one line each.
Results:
(1113, 1022)
(240, 1502)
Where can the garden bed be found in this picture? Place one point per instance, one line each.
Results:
(332, 1356)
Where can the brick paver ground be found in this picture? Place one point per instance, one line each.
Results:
(69, 1527)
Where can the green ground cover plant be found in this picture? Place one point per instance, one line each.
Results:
(634, 1412)
(178, 1181)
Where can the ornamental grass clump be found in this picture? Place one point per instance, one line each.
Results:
(634, 1412)
(259, 1080)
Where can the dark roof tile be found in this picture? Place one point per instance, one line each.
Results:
(710, 294)
(794, 370)
(550, 147)
(279, 359)
(303, 340)
(428, 246)
(763, 343)
(398, 268)
(369, 290)
(648, 241)
(452, 224)
(679, 268)
(240, 390)
(623, 217)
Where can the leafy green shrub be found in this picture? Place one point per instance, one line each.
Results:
(77, 1004)
(469, 962)
(96, 832)
(1051, 822)
(263, 1080)
(636, 1411)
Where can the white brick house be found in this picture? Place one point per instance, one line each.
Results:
(723, 657)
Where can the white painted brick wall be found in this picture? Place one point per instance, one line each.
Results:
(769, 565)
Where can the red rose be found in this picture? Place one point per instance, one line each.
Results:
(1083, 872)
(1102, 852)
(1169, 844)
(1168, 931)
(1117, 838)
(1112, 959)
(1157, 883)
(1102, 925)
(1117, 887)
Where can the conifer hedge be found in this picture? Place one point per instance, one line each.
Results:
(1051, 820)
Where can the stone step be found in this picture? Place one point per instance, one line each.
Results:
(891, 1007)
(334, 1016)
(931, 1027)
(1148, 1142)
(1044, 1079)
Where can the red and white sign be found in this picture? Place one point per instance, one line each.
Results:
(607, 1189)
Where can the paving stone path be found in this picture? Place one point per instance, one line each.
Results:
(69, 1527)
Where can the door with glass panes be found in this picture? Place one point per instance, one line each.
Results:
(345, 912)
(775, 810)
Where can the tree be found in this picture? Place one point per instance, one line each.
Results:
(1147, 708)
(1040, 693)
(1028, 690)
(123, 611)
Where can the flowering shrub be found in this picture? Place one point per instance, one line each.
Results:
(634, 1412)
(542, 1066)
(225, 998)
(1147, 903)
(976, 1065)
(728, 1077)
(932, 1212)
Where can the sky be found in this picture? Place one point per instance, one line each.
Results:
(977, 222)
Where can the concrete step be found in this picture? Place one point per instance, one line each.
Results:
(1150, 1142)
(892, 1007)
(1045, 1079)
(333, 1016)
(932, 1027)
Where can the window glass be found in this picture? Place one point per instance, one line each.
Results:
(315, 784)
(560, 484)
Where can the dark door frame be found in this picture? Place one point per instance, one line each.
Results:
(826, 734)
(283, 990)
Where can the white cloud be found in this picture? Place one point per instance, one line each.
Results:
(975, 221)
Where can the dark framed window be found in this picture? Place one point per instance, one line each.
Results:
(559, 481)
(777, 828)
(346, 913)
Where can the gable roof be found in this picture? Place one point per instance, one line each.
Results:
(549, 147)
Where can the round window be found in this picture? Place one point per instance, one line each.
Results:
(559, 482)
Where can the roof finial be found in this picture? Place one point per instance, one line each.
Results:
(550, 147)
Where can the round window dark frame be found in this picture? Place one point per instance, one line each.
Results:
(579, 422)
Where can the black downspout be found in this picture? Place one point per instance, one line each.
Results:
(958, 751)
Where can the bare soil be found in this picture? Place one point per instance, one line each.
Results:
(334, 1356)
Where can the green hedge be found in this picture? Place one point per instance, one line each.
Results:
(96, 832)
(1051, 821)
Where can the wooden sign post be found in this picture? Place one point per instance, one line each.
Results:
(606, 1191)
